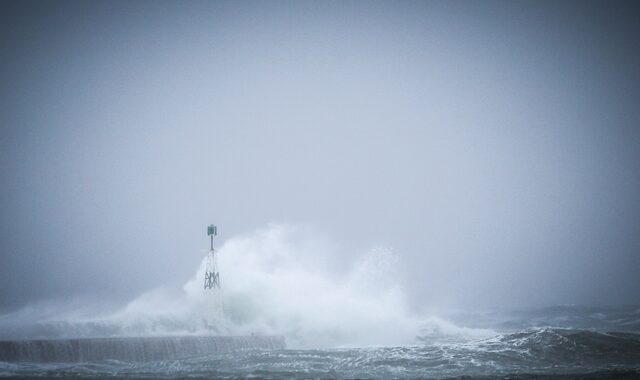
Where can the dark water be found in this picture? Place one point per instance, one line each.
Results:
(535, 344)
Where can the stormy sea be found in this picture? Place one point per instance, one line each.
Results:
(563, 342)
(297, 320)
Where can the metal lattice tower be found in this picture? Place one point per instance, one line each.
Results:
(211, 275)
(213, 300)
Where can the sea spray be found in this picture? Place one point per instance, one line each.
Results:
(272, 285)
(274, 281)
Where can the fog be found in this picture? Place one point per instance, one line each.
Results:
(492, 147)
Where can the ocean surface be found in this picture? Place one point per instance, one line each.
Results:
(562, 342)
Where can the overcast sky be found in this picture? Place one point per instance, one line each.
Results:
(494, 146)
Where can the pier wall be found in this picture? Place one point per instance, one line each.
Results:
(130, 349)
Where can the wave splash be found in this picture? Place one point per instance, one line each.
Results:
(276, 280)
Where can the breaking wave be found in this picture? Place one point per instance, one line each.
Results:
(275, 281)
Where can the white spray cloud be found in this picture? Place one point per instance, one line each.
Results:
(271, 286)
(276, 281)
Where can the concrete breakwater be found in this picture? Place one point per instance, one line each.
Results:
(136, 349)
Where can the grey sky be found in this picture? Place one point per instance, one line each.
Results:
(494, 145)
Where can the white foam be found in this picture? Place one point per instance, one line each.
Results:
(275, 282)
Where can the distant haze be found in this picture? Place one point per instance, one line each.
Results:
(494, 147)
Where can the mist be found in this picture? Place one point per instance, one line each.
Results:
(488, 152)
